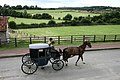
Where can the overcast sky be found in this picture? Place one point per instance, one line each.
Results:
(62, 3)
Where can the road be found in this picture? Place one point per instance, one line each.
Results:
(100, 65)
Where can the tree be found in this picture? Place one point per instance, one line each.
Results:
(25, 7)
(85, 21)
(6, 6)
(13, 7)
(25, 13)
(46, 16)
(51, 23)
(74, 22)
(31, 7)
(68, 17)
(18, 7)
(42, 24)
(59, 18)
(12, 25)
(99, 21)
(95, 18)
(80, 17)
(115, 21)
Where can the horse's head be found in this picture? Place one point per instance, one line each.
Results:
(88, 43)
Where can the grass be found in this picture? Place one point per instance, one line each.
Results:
(30, 21)
(60, 13)
(60, 31)
(54, 13)
(74, 30)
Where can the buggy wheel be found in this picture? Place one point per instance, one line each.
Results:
(57, 65)
(52, 60)
(26, 57)
(29, 67)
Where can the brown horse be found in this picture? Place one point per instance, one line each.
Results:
(72, 51)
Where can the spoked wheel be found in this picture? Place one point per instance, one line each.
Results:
(57, 65)
(26, 57)
(29, 67)
(52, 60)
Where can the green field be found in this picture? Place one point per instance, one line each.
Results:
(30, 21)
(99, 30)
(74, 30)
(54, 13)
(60, 13)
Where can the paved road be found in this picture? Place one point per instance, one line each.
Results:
(100, 65)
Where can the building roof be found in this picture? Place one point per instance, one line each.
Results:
(3, 23)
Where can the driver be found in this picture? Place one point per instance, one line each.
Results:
(51, 42)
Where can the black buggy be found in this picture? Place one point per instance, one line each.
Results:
(40, 54)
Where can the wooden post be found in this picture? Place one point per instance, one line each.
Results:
(83, 38)
(104, 37)
(71, 39)
(30, 40)
(58, 39)
(115, 37)
(15, 42)
(94, 37)
(45, 39)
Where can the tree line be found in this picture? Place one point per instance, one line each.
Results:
(19, 7)
(112, 17)
(90, 8)
(69, 20)
(24, 14)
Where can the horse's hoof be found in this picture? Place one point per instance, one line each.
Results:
(75, 64)
(66, 65)
(83, 62)
(42, 67)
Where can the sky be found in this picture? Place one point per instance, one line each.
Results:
(62, 3)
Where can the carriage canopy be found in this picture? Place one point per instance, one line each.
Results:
(38, 46)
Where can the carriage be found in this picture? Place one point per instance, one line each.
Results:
(40, 54)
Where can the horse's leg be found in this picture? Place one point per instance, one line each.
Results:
(77, 60)
(82, 59)
(67, 56)
(66, 62)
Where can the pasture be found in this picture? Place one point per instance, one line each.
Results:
(74, 30)
(61, 13)
(112, 33)
(31, 21)
(54, 13)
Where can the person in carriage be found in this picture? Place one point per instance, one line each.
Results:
(51, 43)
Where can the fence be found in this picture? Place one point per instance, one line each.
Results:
(60, 40)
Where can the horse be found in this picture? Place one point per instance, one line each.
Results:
(72, 51)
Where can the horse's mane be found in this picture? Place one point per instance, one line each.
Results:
(83, 45)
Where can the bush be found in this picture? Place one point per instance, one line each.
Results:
(115, 21)
(51, 23)
(99, 21)
(59, 18)
(42, 25)
(12, 25)
(22, 24)
(85, 21)
(67, 17)
(74, 23)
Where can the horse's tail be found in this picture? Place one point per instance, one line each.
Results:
(64, 54)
